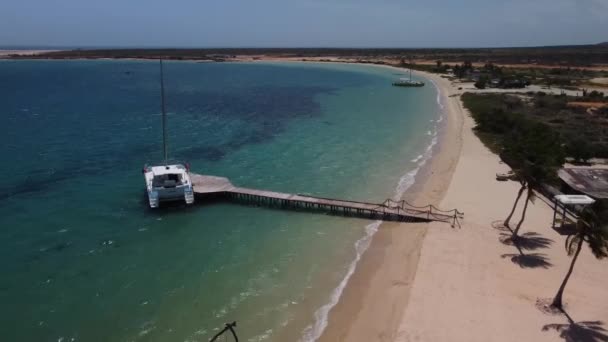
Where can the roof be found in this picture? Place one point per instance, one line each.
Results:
(589, 181)
(574, 199)
(168, 169)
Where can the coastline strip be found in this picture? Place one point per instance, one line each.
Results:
(369, 302)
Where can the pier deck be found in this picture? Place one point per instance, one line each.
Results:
(389, 210)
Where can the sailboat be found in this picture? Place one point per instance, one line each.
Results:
(167, 182)
(405, 82)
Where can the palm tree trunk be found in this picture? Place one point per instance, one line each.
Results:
(519, 193)
(523, 214)
(557, 301)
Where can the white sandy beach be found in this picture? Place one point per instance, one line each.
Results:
(466, 286)
(430, 282)
(23, 52)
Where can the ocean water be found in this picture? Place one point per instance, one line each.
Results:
(82, 258)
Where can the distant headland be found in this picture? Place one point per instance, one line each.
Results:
(573, 56)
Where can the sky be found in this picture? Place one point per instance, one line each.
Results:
(302, 23)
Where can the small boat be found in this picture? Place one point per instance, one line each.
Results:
(167, 182)
(404, 82)
(408, 82)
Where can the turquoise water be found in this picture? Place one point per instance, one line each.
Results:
(84, 259)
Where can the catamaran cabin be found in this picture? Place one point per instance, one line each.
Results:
(168, 183)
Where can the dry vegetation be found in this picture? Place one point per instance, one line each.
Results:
(582, 131)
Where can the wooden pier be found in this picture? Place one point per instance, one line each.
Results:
(389, 210)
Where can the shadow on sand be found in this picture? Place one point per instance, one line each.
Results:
(585, 331)
(566, 229)
(530, 260)
(529, 241)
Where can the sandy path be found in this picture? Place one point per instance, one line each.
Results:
(468, 289)
(470, 87)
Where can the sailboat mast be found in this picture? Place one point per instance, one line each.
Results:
(410, 68)
(162, 107)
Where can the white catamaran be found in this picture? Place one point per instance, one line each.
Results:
(405, 82)
(167, 182)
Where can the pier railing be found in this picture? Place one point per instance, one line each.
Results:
(432, 212)
(389, 210)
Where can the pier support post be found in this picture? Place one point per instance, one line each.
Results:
(554, 212)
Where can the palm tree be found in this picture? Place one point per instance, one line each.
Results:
(530, 197)
(519, 193)
(530, 175)
(535, 154)
(592, 229)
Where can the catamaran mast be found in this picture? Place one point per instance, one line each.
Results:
(162, 107)
(410, 69)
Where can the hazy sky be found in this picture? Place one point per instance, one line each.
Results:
(283, 23)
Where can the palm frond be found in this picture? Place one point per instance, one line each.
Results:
(593, 229)
(598, 241)
(572, 242)
(567, 242)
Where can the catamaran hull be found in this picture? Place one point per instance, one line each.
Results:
(156, 197)
(158, 194)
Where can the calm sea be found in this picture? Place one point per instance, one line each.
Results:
(82, 258)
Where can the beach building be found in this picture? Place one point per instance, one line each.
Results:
(561, 203)
(475, 75)
(590, 181)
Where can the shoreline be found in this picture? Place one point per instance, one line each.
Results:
(470, 286)
(377, 268)
(430, 282)
(376, 295)
(331, 320)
